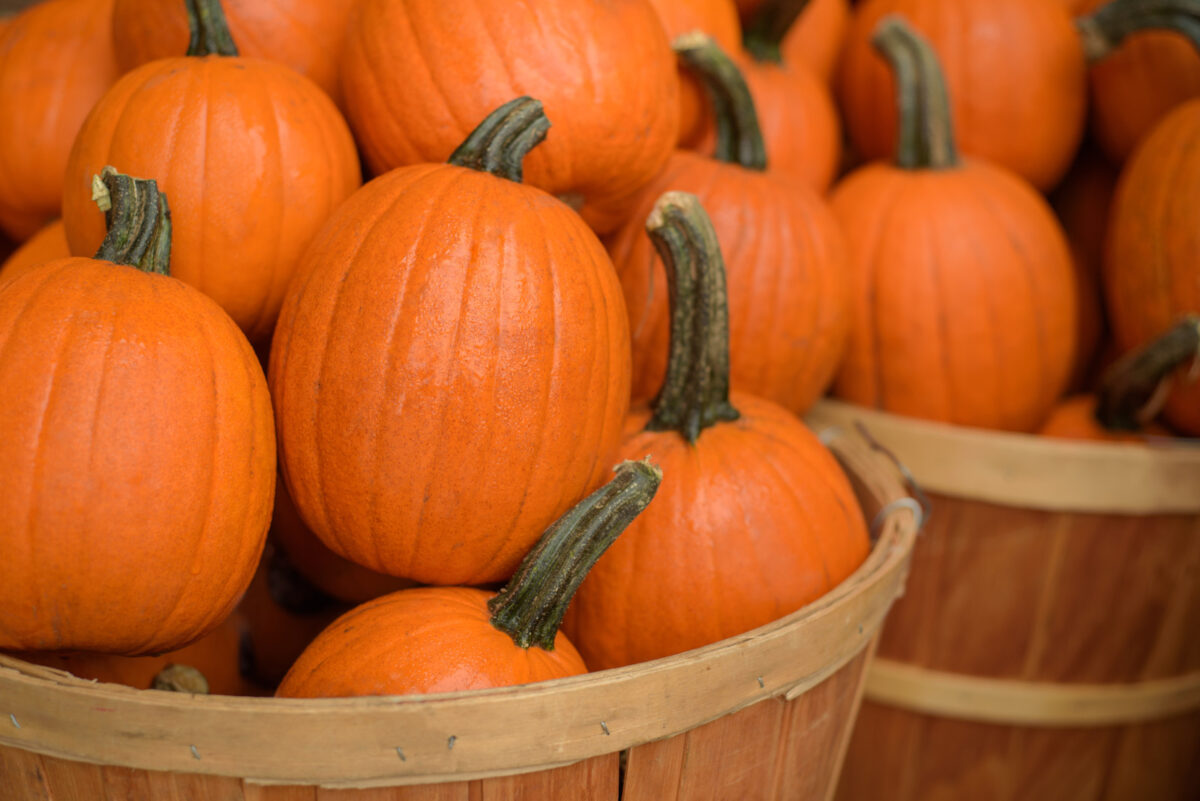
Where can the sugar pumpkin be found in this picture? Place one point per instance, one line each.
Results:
(138, 442)
(452, 371)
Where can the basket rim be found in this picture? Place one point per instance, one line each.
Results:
(395, 740)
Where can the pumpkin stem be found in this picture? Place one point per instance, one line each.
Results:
(1104, 29)
(138, 220)
(531, 605)
(925, 137)
(695, 391)
(209, 29)
(1133, 390)
(181, 679)
(502, 141)
(739, 138)
(764, 33)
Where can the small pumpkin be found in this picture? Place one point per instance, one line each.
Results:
(254, 157)
(788, 291)
(449, 639)
(46, 245)
(138, 442)
(56, 60)
(305, 35)
(452, 371)
(416, 75)
(964, 300)
(756, 518)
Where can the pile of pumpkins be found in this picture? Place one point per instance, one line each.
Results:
(502, 318)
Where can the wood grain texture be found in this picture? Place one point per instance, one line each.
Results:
(1028, 595)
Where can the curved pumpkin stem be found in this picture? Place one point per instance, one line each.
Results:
(1104, 29)
(925, 135)
(531, 605)
(739, 138)
(501, 142)
(764, 33)
(209, 29)
(1134, 389)
(695, 392)
(181, 679)
(138, 220)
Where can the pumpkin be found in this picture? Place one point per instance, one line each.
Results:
(800, 31)
(302, 34)
(603, 68)
(756, 518)
(964, 301)
(447, 639)
(1152, 255)
(788, 292)
(254, 157)
(56, 60)
(453, 369)
(1137, 80)
(46, 245)
(138, 442)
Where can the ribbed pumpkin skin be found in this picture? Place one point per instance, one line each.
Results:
(450, 376)
(302, 34)
(1016, 75)
(1152, 260)
(56, 60)
(760, 498)
(138, 445)
(253, 157)
(48, 244)
(418, 76)
(427, 640)
(785, 261)
(964, 301)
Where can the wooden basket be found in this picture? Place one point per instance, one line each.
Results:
(1048, 646)
(766, 715)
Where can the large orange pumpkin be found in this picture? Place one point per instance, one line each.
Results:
(453, 369)
(56, 60)
(305, 35)
(417, 75)
(1152, 261)
(253, 155)
(46, 245)
(788, 289)
(448, 639)
(755, 519)
(137, 464)
(964, 302)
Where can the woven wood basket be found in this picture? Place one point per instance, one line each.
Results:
(766, 715)
(1048, 646)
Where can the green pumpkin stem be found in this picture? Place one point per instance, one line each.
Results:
(181, 679)
(531, 605)
(138, 220)
(739, 138)
(925, 135)
(695, 391)
(1103, 30)
(764, 33)
(501, 142)
(209, 29)
(1134, 388)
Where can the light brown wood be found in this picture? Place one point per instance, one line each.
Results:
(801, 673)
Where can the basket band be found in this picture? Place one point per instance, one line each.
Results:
(1023, 703)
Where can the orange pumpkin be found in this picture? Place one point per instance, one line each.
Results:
(756, 518)
(964, 301)
(46, 245)
(138, 442)
(453, 370)
(253, 156)
(788, 291)
(302, 34)
(56, 60)
(417, 75)
(448, 639)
